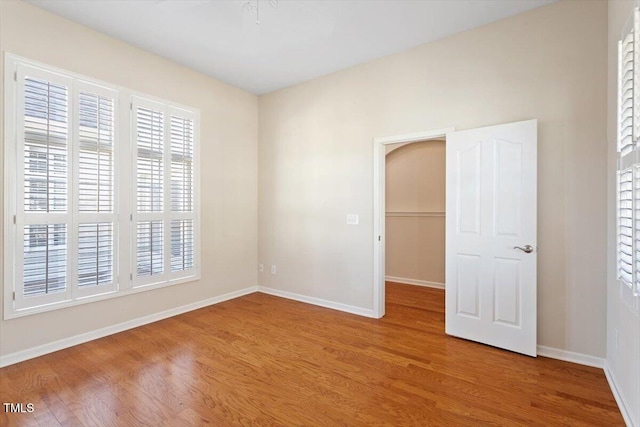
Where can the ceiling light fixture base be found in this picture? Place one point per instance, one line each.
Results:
(253, 6)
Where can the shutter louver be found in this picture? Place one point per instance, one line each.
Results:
(626, 126)
(96, 137)
(95, 254)
(150, 243)
(45, 259)
(150, 160)
(45, 146)
(181, 164)
(636, 226)
(182, 244)
(625, 226)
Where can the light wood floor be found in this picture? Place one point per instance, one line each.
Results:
(261, 360)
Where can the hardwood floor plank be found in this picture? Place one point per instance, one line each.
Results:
(260, 360)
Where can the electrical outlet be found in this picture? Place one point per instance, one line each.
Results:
(261, 268)
(273, 269)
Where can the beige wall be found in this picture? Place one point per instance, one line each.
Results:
(623, 319)
(415, 205)
(316, 162)
(229, 167)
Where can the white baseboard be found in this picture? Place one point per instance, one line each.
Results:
(319, 302)
(570, 356)
(19, 356)
(624, 408)
(416, 282)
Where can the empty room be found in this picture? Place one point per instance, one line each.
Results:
(320, 212)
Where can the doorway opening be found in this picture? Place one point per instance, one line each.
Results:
(382, 147)
(415, 223)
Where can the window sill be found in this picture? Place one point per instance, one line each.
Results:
(14, 314)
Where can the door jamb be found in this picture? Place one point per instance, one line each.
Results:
(379, 169)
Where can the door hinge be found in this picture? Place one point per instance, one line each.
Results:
(379, 239)
(15, 76)
(130, 276)
(14, 219)
(130, 217)
(14, 295)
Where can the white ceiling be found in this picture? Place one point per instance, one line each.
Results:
(298, 41)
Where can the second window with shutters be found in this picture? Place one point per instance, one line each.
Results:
(165, 215)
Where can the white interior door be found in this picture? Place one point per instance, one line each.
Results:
(491, 235)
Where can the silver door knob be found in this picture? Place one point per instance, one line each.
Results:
(527, 249)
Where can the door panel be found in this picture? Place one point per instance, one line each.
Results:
(506, 283)
(468, 163)
(468, 284)
(508, 188)
(491, 209)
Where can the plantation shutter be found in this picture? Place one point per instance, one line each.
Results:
(628, 177)
(182, 191)
(97, 227)
(149, 131)
(43, 217)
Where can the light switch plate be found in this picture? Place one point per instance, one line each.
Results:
(353, 219)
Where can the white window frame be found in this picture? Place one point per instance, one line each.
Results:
(124, 256)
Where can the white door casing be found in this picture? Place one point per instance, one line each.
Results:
(491, 209)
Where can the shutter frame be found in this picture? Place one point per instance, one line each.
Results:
(149, 220)
(183, 226)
